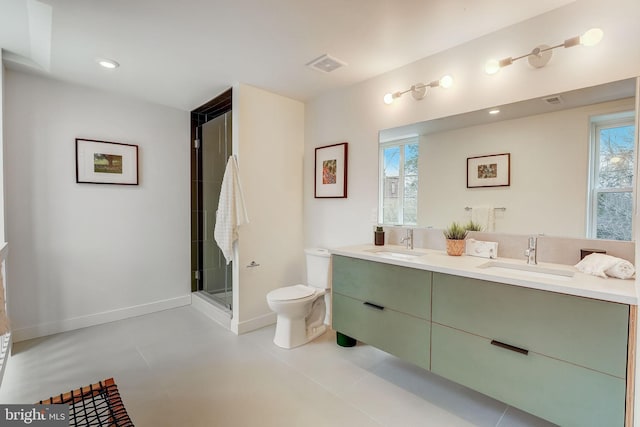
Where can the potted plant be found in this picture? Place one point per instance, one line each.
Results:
(454, 235)
(473, 226)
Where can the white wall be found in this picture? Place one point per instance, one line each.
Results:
(83, 253)
(549, 172)
(2, 191)
(355, 114)
(268, 135)
(4, 355)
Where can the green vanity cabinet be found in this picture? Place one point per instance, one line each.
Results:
(386, 306)
(587, 332)
(560, 357)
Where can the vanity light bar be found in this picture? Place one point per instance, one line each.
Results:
(541, 55)
(419, 90)
(538, 58)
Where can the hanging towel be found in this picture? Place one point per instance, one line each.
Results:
(485, 216)
(231, 212)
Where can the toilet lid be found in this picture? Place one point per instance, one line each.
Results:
(291, 293)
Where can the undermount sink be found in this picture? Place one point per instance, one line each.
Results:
(395, 253)
(529, 270)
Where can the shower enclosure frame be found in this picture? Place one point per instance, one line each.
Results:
(201, 219)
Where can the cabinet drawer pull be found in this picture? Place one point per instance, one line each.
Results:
(376, 306)
(510, 347)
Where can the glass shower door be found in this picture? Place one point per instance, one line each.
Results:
(215, 148)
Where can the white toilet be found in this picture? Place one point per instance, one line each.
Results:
(303, 310)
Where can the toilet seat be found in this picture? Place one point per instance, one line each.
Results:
(291, 293)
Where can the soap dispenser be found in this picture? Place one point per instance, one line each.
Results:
(378, 236)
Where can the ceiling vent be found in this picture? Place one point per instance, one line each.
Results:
(326, 63)
(553, 100)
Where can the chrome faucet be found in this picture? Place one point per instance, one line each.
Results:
(408, 239)
(531, 253)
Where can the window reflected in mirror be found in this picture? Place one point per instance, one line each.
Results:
(399, 182)
(612, 168)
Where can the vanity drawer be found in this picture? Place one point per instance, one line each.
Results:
(560, 392)
(403, 289)
(399, 334)
(583, 331)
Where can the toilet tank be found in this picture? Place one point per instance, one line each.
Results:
(318, 261)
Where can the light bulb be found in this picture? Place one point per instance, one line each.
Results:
(592, 37)
(446, 82)
(388, 98)
(492, 66)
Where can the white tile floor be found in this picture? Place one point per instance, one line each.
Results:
(178, 368)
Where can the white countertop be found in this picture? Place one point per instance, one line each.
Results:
(582, 285)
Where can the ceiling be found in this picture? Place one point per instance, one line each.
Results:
(184, 53)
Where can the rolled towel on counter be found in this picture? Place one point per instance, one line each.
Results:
(621, 270)
(606, 266)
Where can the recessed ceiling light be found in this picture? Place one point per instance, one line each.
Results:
(107, 63)
(494, 111)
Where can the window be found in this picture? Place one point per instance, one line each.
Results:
(399, 182)
(611, 182)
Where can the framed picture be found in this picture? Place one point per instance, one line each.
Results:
(102, 162)
(331, 171)
(489, 171)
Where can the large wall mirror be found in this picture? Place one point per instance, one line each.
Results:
(571, 159)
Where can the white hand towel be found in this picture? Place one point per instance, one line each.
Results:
(606, 266)
(231, 212)
(485, 216)
(621, 270)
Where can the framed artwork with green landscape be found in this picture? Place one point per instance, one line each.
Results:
(102, 162)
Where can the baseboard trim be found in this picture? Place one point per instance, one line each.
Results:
(207, 308)
(253, 324)
(65, 325)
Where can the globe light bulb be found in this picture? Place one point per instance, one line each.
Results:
(592, 37)
(388, 98)
(446, 82)
(492, 66)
